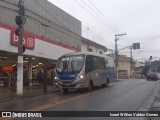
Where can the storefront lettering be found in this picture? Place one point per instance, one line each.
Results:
(16, 39)
(28, 40)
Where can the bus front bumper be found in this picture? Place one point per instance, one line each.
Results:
(70, 85)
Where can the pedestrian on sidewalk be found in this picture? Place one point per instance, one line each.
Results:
(40, 77)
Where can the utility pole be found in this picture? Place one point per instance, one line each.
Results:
(20, 21)
(116, 56)
(117, 36)
(131, 47)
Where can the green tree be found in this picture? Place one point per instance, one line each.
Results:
(158, 69)
(145, 70)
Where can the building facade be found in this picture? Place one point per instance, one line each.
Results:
(90, 46)
(124, 67)
(45, 22)
(137, 70)
(49, 32)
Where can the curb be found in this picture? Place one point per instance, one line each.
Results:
(148, 102)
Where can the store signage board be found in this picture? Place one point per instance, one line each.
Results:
(7, 68)
(28, 40)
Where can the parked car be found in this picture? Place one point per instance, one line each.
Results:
(153, 76)
(158, 74)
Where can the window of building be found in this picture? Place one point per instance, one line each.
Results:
(100, 52)
(89, 49)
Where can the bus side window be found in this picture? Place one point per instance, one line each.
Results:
(103, 65)
(106, 63)
(95, 62)
(99, 63)
(89, 64)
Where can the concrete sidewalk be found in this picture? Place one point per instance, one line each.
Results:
(9, 94)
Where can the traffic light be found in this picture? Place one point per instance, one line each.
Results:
(19, 20)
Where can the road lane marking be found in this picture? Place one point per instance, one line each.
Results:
(60, 102)
(71, 99)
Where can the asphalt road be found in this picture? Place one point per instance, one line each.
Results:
(127, 95)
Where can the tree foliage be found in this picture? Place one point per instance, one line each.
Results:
(145, 70)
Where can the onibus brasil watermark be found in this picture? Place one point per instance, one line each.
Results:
(21, 114)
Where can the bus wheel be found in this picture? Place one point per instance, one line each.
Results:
(107, 82)
(90, 86)
(65, 90)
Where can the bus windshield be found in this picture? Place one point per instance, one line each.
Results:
(70, 64)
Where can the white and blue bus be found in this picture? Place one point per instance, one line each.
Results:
(84, 70)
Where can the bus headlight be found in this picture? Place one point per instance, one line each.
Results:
(81, 77)
(56, 78)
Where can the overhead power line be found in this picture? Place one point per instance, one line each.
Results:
(105, 17)
(114, 25)
(66, 28)
(96, 36)
(93, 32)
(107, 21)
(144, 51)
(98, 15)
(38, 20)
(107, 26)
(99, 39)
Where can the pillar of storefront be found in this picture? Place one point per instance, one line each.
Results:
(30, 71)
